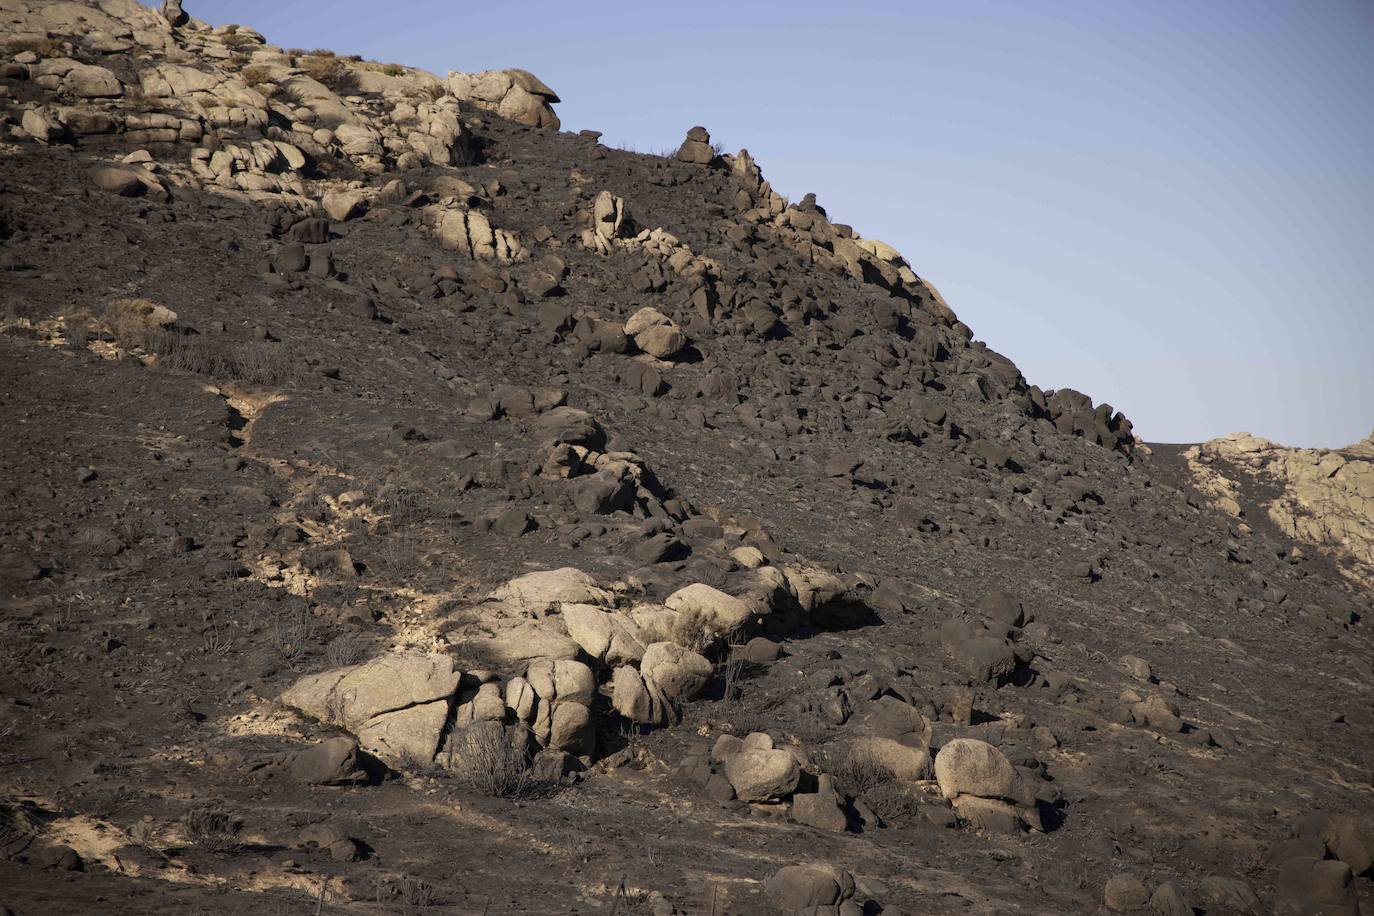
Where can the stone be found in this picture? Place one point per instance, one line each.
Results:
(757, 774)
(1125, 894)
(1316, 887)
(968, 766)
(1229, 895)
(538, 591)
(352, 695)
(980, 655)
(608, 215)
(396, 704)
(333, 762)
(991, 815)
(171, 11)
(1003, 607)
(800, 888)
(1169, 900)
(726, 746)
(696, 148)
(662, 341)
(655, 333)
(118, 180)
(822, 809)
(1350, 838)
(748, 557)
(638, 699)
(760, 651)
(679, 673)
(41, 126)
(89, 81)
(342, 206)
(713, 608)
(1136, 667)
(900, 761)
(406, 736)
(513, 522)
(611, 639)
(515, 94)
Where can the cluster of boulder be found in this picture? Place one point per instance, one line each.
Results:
(548, 650)
(261, 121)
(609, 227)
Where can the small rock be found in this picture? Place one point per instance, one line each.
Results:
(1124, 893)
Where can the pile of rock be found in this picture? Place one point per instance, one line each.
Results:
(547, 645)
(608, 224)
(697, 147)
(515, 94)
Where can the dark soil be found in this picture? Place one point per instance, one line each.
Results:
(161, 518)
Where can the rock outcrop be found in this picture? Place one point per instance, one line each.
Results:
(1325, 497)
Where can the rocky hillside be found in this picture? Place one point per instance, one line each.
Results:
(411, 507)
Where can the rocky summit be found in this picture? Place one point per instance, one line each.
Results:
(410, 506)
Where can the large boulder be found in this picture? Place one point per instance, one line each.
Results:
(655, 333)
(640, 699)
(563, 719)
(1316, 887)
(680, 673)
(762, 773)
(822, 809)
(343, 205)
(897, 760)
(396, 704)
(612, 639)
(714, 609)
(88, 81)
(967, 766)
(539, 591)
(509, 647)
(809, 888)
(608, 215)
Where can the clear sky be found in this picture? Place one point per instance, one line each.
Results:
(1168, 205)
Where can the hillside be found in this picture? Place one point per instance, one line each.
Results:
(410, 506)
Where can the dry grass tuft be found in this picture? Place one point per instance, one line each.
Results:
(486, 761)
(330, 71)
(212, 828)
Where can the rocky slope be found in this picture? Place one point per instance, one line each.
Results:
(411, 507)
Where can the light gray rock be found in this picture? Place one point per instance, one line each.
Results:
(344, 205)
(967, 766)
(762, 775)
(715, 609)
(396, 704)
(679, 673)
(539, 591)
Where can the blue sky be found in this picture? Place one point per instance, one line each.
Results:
(1168, 205)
